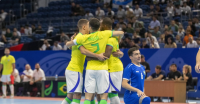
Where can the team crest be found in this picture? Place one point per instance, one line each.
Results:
(144, 72)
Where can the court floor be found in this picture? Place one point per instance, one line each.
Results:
(38, 100)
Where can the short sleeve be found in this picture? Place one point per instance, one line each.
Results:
(110, 42)
(13, 60)
(79, 46)
(127, 72)
(79, 40)
(108, 33)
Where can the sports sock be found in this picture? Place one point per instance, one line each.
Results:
(103, 101)
(87, 102)
(12, 89)
(93, 102)
(66, 101)
(4, 89)
(114, 99)
(99, 101)
(76, 101)
(146, 100)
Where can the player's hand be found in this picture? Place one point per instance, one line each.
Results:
(31, 82)
(121, 54)
(101, 57)
(197, 68)
(73, 36)
(140, 93)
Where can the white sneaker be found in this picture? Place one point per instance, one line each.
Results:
(3, 96)
(11, 96)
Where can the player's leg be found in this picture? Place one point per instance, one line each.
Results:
(78, 89)
(90, 85)
(4, 80)
(93, 99)
(115, 79)
(103, 85)
(144, 100)
(98, 98)
(11, 82)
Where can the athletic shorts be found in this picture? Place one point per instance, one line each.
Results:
(5, 78)
(74, 81)
(130, 98)
(115, 79)
(97, 81)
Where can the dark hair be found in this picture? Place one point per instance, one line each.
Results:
(107, 21)
(142, 56)
(94, 24)
(120, 6)
(131, 50)
(82, 22)
(155, 16)
(158, 67)
(173, 64)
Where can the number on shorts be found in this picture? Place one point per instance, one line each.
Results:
(96, 45)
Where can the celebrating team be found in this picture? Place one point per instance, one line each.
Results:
(104, 69)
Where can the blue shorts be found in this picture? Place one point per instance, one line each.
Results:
(131, 98)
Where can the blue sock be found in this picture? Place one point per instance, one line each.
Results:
(146, 100)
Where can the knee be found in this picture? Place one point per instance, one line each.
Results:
(146, 100)
(77, 95)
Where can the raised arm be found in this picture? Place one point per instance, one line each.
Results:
(118, 33)
(70, 43)
(197, 67)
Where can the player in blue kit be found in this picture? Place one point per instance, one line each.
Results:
(133, 79)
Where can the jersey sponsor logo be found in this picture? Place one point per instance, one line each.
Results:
(62, 89)
(144, 72)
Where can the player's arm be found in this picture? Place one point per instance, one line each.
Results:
(70, 43)
(91, 54)
(108, 51)
(119, 54)
(159, 77)
(130, 88)
(118, 33)
(1, 66)
(197, 67)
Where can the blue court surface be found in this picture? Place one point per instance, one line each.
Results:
(37, 100)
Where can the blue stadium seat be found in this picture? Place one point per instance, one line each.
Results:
(161, 45)
(197, 33)
(179, 45)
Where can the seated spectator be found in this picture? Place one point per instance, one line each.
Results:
(22, 31)
(88, 15)
(39, 30)
(178, 39)
(28, 30)
(136, 38)
(129, 29)
(3, 15)
(156, 32)
(3, 31)
(170, 10)
(196, 22)
(158, 11)
(73, 8)
(168, 35)
(186, 38)
(79, 11)
(149, 35)
(38, 77)
(121, 22)
(64, 38)
(138, 12)
(189, 28)
(173, 26)
(14, 39)
(187, 76)
(26, 78)
(145, 64)
(178, 11)
(156, 2)
(158, 75)
(166, 27)
(185, 9)
(162, 38)
(49, 31)
(154, 23)
(170, 44)
(151, 11)
(129, 12)
(141, 29)
(148, 2)
(192, 43)
(124, 27)
(132, 44)
(45, 46)
(110, 13)
(181, 32)
(173, 74)
(154, 44)
(135, 2)
(17, 80)
(57, 46)
(99, 12)
(120, 12)
(191, 24)
(33, 29)
(18, 33)
(8, 33)
(144, 44)
(135, 22)
(117, 27)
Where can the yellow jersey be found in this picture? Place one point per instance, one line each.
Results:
(7, 62)
(77, 59)
(96, 43)
(114, 63)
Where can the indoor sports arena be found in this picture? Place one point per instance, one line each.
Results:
(99, 51)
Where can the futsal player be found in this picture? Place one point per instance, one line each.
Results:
(75, 68)
(8, 64)
(97, 78)
(133, 79)
(197, 67)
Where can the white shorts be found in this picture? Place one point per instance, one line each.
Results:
(74, 81)
(97, 81)
(5, 78)
(115, 81)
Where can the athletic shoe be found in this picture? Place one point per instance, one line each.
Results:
(3, 96)
(11, 96)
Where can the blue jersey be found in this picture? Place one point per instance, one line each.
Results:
(135, 76)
